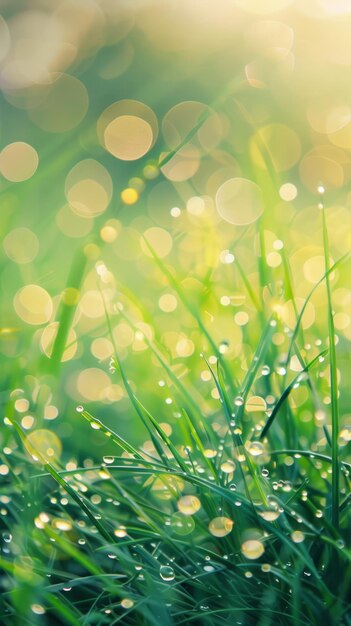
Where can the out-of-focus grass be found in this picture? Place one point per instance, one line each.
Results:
(175, 313)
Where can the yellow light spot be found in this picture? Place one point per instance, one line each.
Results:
(50, 412)
(123, 335)
(128, 137)
(33, 305)
(101, 348)
(255, 403)
(22, 405)
(92, 383)
(120, 532)
(71, 224)
(241, 318)
(18, 161)
(88, 188)
(314, 269)
(273, 259)
(287, 313)
(45, 442)
(62, 524)
(185, 347)
(108, 233)
(48, 339)
(27, 422)
(92, 304)
(168, 303)
(21, 245)
(129, 195)
(239, 201)
(160, 241)
(288, 192)
(275, 144)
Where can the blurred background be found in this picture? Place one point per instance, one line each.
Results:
(204, 128)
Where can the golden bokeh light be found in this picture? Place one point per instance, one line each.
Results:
(88, 188)
(128, 129)
(71, 224)
(33, 305)
(160, 241)
(21, 245)
(63, 104)
(48, 338)
(239, 201)
(129, 195)
(45, 442)
(278, 144)
(18, 161)
(93, 384)
(128, 137)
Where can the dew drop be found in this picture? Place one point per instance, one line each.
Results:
(297, 536)
(228, 467)
(167, 573)
(255, 448)
(220, 526)
(188, 505)
(252, 549)
(108, 459)
(126, 603)
(182, 524)
(38, 609)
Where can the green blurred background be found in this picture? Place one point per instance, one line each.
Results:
(205, 127)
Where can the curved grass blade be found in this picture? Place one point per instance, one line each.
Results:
(287, 392)
(333, 384)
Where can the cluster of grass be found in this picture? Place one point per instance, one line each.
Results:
(235, 509)
(238, 524)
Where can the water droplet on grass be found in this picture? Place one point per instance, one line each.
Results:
(239, 401)
(297, 536)
(182, 524)
(252, 549)
(255, 448)
(188, 505)
(220, 526)
(167, 573)
(108, 459)
(38, 609)
(126, 603)
(228, 467)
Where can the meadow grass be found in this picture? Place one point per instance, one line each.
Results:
(203, 526)
(230, 507)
